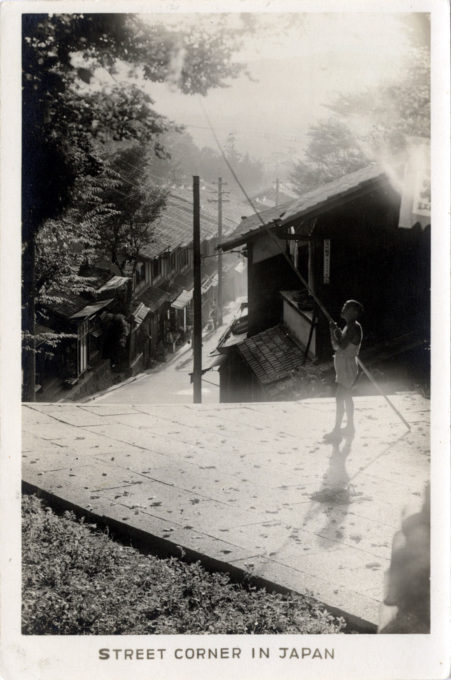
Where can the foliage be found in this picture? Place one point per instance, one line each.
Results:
(332, 152)
(132, 205)
(186, 159)
(68, 116)
(62, 246)
(392, 114)
(61, 53)
(376, 124)
(77, 580)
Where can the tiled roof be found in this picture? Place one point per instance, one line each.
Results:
(233, 208)
(272, 355)
(310, 202)
(174, 227)
(113, 283)
(69, 306)
(91, 309)
(278, 363)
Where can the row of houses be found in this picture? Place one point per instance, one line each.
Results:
(357, 237)
(124, 323)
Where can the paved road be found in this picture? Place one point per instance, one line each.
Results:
(169, 382)
(250, 486)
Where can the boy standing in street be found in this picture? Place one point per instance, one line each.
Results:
(346, 344)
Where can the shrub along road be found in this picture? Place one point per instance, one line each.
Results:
(78, 581)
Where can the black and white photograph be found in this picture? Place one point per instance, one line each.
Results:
(229, 319)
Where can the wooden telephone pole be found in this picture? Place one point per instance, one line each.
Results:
(219, 301)
(197, 297)
(220, 200)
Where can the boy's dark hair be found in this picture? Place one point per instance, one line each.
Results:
(356, 305)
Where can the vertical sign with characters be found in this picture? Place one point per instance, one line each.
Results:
(326, 261)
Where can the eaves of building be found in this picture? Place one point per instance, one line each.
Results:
(307, 206)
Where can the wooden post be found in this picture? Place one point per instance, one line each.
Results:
(197, 297)
(29, 321)
(219, 300)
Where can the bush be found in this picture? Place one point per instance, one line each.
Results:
(78, 581)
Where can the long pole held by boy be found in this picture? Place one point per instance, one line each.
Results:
(346, 344)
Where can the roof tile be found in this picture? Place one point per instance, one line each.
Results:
(272, 354)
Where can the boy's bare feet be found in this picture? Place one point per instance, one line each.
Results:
(333, 436)
(349, 430)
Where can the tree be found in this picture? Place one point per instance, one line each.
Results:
(63, 123)
(186, 158)
(332, 152)
(132, 204)
(375, 124)
(388, 116)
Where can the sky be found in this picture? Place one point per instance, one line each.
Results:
(298, 63)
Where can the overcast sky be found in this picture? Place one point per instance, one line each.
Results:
(298, 66)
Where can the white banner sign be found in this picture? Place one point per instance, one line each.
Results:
(416, 191)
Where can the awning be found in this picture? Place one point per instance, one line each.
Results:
(113, 283)
(90, 310)
(209, 283)
(140, 313)
(183, 299)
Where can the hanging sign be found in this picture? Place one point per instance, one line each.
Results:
(326, 261)
(416, 189)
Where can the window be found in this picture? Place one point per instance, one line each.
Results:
(156, 268)
(140, 273)
(184, 257)
(173, 261)
(82, 346)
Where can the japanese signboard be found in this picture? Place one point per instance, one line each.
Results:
(326, 261)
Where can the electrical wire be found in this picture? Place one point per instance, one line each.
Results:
(173, 195)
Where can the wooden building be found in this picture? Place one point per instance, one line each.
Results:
(344, 238)
(153, 304)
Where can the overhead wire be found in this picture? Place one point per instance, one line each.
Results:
(173, 195)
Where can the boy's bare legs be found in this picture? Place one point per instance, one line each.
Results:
(340, 397)
(349, 407)
(340, 401)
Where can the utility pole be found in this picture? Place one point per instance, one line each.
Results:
(219, 301)
(277, 191)
(29, 321)
(197, 297)
(220, 200)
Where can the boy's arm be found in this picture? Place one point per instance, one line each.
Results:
(335, 335)
(351, 334)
